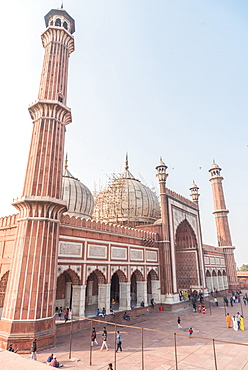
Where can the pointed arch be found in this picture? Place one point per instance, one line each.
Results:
(208, 274)
(186, 256)
(153, 275)
(3, 287)
(67, 278)
(121, 275)
(100, 276)
(185, 236)
(138, 275)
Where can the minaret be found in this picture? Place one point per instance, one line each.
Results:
(166, 245)
(29, 307)
(222, 225)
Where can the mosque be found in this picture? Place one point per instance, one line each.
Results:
(65, 248)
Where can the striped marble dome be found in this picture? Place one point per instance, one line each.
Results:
(78, 197)
(127, 201)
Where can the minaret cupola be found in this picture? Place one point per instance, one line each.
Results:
(60, 18)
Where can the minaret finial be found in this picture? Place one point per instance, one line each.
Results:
(126, 167)
(62, 5)
(66, 161)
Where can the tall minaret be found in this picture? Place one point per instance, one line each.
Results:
(167, 289)
(222, 225)
(29, 307)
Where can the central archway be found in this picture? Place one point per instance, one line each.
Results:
(186, 257)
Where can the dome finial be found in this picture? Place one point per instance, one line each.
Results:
(126, 167)
(66, 161)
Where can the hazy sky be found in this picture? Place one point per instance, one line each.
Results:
(151, 78)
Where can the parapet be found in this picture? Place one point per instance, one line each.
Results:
(106, 227)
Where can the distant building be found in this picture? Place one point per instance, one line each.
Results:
(61, 251)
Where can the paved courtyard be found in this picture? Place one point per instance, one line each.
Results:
(192, 353)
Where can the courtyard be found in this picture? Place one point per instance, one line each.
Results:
(159, 342)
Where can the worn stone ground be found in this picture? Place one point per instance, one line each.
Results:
(159, 354)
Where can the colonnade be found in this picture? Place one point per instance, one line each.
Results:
(216, 280)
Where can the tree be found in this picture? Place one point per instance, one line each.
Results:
(243, 268)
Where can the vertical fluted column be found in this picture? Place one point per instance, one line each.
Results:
(222, 225)
(166, 245)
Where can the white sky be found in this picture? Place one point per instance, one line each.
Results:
(151, 78)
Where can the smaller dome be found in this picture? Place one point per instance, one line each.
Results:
(79, 200)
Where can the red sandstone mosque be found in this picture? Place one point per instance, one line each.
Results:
(65, 248)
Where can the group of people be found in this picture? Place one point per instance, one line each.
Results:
(101, 313)
(235, 298)
(52, 361)
(105, 338)
(67, 313)
(236, 322)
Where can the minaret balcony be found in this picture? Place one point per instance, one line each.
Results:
(50, 109)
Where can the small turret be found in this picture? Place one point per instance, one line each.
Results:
(194, 193)
(161, 169)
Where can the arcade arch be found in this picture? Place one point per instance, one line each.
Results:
(153, 286)
(3, 286)
(66, 292)
(138, 289)
(209, 281)
(117, 289)
(95, 295)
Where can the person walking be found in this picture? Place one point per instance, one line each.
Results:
(110, 367)
(238, 320)
(66, 313)
(179, 322)
(104, 339)
(190, 332)
(93, 337)
(235, 324)
(118, 341)
(231, 301)
(242, 323)
(60, 313)
(152, 302)
(34, 350)
(216, 302)
(228, 320)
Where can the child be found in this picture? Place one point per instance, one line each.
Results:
(190, 332)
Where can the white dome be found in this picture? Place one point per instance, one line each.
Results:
(127, 201)
(78, 197)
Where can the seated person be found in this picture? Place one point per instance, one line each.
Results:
(103, 312)
(49, 359)
(126, 317)
(11, 349)
(111, 310)
(55, 363)
(142, 304)
(98, 312)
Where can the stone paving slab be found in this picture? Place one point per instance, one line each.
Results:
(192, 353)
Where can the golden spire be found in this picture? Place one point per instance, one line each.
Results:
(66, 161)
(126, 167)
